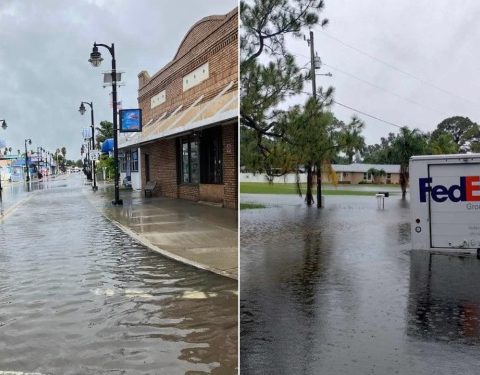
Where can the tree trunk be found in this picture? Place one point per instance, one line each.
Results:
(404, 180)
(319, 185)
(308, 196)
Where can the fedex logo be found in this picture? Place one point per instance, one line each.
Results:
(463, 192)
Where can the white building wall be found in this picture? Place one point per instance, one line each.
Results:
(289, 178)
(135, 176)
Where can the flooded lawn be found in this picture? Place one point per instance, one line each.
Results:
(338, 291)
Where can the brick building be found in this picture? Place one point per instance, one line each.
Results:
(189, 142)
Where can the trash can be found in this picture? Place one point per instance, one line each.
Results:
(380, 201)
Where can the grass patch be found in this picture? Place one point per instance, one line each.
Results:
(266, 188)
(249, 206)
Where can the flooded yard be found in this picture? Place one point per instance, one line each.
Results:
(338, 291)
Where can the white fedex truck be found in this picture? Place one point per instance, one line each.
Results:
(445, 202)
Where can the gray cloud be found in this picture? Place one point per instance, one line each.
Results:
(435, 41)
(44, 48)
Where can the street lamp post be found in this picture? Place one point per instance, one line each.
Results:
(82, 111)
(49, 163)
(4, 126)
(38, 163)
(96, 59)
(29, 141)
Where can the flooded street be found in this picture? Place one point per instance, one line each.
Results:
(338, 291)
(78, 296)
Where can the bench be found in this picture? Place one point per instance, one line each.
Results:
(127, 182)
(150, 187)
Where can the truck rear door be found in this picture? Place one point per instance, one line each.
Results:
(454, 223)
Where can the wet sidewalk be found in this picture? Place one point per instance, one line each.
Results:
(197, 234)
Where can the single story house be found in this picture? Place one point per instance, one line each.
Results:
(358, 172)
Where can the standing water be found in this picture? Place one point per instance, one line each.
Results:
(338, 291)
(78, 296)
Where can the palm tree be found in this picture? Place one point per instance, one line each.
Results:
(350, 139)
(405, 145)
(443, 144)
(376, 173)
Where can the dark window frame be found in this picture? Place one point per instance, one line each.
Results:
(211, 156)
(134, 161)
(123, 163)
(191, 178)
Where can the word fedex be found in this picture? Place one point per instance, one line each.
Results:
(463, 192)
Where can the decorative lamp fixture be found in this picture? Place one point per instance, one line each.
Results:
(82, 109)
(95, 57)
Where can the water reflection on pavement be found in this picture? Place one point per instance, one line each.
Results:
(78, 296)
(338, 291)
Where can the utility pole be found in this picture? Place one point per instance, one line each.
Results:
(314, 93)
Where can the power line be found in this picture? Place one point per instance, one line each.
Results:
(386, 90)
(397, 69)
(368, 115)
(361, 112)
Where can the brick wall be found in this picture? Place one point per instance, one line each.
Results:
(213, 39)
(230, 166)
(190, 192)
(163, 167)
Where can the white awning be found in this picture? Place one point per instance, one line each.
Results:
(223, 107)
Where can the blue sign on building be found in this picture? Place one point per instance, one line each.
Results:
(130, 120)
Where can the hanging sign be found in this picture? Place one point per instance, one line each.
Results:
(130, 120)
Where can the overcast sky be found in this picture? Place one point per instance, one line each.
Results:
(435, 41)
(44, 51)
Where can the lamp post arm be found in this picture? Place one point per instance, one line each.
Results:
(111, 48)
(89, 104)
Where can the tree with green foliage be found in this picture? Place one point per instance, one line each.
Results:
(265, 84)
(376, 174)
(307, 138)
(442, 144)
(251, 159)
(351, 140)
(104, 132)
(464, 132)
(397, 149)
(268, 81)
(380, 153)
(106, 162)
(406, 144)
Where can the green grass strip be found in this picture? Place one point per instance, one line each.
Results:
(249, 206)
(266, 188)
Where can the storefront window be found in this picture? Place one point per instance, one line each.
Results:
(190, 160)
(123, 163)
(211, 156)
(194, 163)
(134, 161)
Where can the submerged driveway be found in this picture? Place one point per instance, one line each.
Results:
(338, 291)
(78, 296)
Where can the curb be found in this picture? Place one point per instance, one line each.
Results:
(161, 251)
(9, 210)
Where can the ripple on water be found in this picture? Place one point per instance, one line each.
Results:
(79, 296)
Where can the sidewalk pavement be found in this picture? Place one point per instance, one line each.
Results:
(197, 234)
